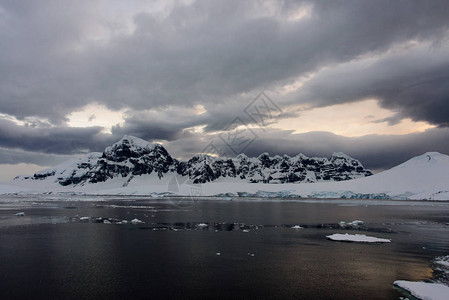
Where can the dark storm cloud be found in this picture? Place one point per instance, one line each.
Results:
(206, 52)
(15, 157)
(41, 74)
(157, 125)
(59, 55)
(175, 122)
(57, 140)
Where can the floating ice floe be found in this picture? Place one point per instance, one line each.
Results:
(106, 222)
(245, 230)
(124, 222)
(425, 290)
(202, 225)
(136, 221)
(296, 227)
(20, 214)
(84, 218)
(361, 238)
(218, 253)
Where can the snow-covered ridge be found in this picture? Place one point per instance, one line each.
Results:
(131, 157)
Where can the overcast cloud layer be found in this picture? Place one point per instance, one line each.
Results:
(160, 62)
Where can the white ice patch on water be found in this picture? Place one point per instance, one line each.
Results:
(136, 221)
(360, 238)
(20, 214)
(296, 227)
(354, 223)
(443, 261)
(202, 225)
(425, 290)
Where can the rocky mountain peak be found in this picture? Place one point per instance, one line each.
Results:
(132, 147)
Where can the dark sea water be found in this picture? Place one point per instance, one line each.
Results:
(51, 254)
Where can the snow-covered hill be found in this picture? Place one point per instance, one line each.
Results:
(133, 166)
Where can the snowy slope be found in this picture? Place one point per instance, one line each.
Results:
(10, 189)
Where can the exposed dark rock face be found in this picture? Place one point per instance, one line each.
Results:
(132, 157)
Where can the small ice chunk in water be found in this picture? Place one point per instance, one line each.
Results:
(136, 221)
(218, 253)
(84, 218)
(361, 238)
(124, 222)
(296, 227)
(245, 230)
(106, 222)
(202, 225)
(20, 214)
(356, 223)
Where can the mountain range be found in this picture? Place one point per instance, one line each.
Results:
(135, 167)
(131, 157)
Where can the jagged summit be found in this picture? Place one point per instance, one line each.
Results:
(132, 156)
(130, 146)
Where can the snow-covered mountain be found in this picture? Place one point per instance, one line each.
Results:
(131, 157)
(136, 167)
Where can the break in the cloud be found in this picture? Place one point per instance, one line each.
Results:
(174, 71)
(410, 80)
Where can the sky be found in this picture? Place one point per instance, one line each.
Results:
(367, 78)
